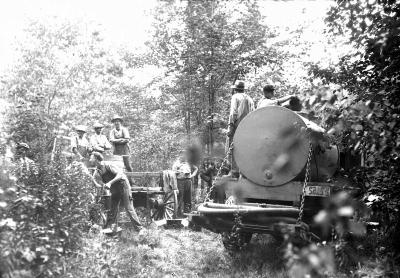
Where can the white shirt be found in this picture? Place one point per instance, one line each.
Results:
(267, 102)
(241, 105)
(81, 144)
(99, 141)
(182, 169)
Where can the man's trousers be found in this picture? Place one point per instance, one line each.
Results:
(120, 194)
(184, 196)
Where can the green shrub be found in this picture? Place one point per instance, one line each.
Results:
(43, 218)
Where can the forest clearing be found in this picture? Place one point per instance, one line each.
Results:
(190, 138)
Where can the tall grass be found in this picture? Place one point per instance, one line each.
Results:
(172, 253)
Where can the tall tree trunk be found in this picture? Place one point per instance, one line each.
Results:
(188, 130)
(212, 111)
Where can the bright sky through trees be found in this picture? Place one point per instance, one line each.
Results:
(126, 22)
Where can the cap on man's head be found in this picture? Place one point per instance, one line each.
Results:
(22, 145)
(80, 128)
(239, 85)
(98, 125)
(268, 88)
(98, 156)
(117, 118)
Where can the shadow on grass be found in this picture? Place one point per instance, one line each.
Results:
(262, 252)
(261, 258)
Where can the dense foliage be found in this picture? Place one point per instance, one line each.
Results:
(370, 121)
(44, 214)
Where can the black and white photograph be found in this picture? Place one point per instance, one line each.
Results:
(200, 138)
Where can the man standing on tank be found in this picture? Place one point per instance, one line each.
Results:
(268, 92)
(241, 105)
(119, 137)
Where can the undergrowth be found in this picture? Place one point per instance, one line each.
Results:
(162, 252)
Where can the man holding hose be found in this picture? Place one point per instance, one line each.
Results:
(117, 182)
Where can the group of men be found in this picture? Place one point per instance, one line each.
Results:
(113, 178)
(242, 104)
(106, 174)
(98, 142)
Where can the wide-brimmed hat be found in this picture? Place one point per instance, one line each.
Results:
(23, 146)
(117, 118)
(80, 128)
(239, 85)
(98, 125)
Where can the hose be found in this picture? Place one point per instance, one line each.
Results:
(210, 208)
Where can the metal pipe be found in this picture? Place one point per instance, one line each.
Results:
(204, 209)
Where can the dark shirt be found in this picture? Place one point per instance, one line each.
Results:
(120, 148)
(207, 174)
(108, 172)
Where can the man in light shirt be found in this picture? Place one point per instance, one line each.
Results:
(119, 137)
(98, 141)
(184, 174)
(268, 91)
(79, 144)
(241, 105)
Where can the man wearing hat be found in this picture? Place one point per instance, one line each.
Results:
(79, 144)
(241, 105)
(268, 92)
(119, 137)
(25, 165)
(98, 141)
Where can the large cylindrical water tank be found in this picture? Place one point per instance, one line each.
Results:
(271, 147)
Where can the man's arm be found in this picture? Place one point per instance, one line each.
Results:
(115, 140)
(107, 145)
(96, 178)
(125, 134)
(94, 144)
(233, 111)
(283, 99)
(232, 116)
(205, 177)
(251, 104)
(194, 173)
(259, 103)
(92, 141)
(112, 137)
(75, 151)
(119, 175)
(74, 147)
